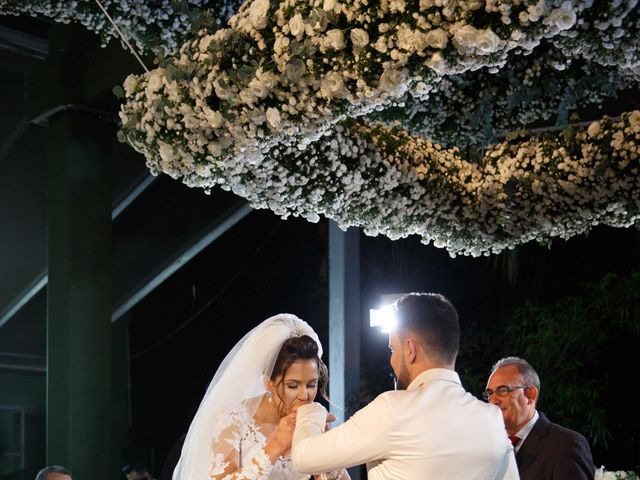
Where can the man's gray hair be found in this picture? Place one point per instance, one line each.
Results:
(42, 474)
(528, 373)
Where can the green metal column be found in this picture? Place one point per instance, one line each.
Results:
(79, 291)
(120, 391)
(79, 295)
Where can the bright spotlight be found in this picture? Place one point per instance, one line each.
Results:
(384, 318)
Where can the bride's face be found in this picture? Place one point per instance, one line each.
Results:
(299, 386)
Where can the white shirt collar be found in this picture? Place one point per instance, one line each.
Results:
(524, 431)
(434, 374)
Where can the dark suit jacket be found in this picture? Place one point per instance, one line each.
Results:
(552, 452)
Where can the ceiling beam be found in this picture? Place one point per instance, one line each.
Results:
(23, 44)
(31, 291)
(217, 228)
(42, 279)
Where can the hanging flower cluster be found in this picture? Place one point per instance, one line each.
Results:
(159, 25)
(477, 107)
(256, 109)
(607, 33)
(286, 73)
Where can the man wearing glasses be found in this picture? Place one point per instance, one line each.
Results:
(544, 450)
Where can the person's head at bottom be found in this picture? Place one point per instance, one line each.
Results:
(298, 375)
(137, 472)
(426, 335)
(54, 472)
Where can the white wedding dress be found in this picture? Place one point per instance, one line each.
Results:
(224, 435)
(237, 431)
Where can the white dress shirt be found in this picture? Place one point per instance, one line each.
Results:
(524, 431)
(432, 430)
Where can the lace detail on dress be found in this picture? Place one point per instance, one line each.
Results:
(238, 448)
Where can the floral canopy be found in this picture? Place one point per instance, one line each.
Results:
(398, 116)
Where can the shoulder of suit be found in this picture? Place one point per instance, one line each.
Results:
(560, 431)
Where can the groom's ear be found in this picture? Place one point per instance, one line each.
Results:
(411, 351)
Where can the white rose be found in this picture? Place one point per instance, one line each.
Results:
(617, 140)
(258, 88)
(381, 45)
(359, 38)
(405, 38)
(420, 41)
(593, 129)
(437, 38)
(155, 78)
(296, 25)
(465, 37)
(273, 118)
(563, 17)
(393, 81)
(436, 63)
(335, 39)
(204, 43)
(214, 118)
(280, 45)
(332, 85)
(328, 5)
(397, 6)
(256, 116)
(487, 41)
(247, 97)
(267, 78)
(634, 118)
(422, 90)
(535, 11)
(166, 153)
(258, 13)
(130, 85)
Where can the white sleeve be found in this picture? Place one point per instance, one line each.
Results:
(508, 468)
(362, 438)
(512, 468)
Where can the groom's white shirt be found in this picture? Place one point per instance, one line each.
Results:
(432, 430)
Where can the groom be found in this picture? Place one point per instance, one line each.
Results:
(429, 428)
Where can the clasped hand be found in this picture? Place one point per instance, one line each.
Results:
(283, 434)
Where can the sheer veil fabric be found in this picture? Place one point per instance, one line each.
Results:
(240, 380)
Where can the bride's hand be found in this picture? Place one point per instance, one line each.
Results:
(284, 431)
(330, 419)
(341, 474)
(279, 442)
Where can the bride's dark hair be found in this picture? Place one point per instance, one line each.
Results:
(300, 348)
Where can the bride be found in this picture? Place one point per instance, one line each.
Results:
(244, 425)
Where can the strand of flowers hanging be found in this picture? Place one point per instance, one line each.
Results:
(247, 108)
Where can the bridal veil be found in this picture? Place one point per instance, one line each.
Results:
(241, 377)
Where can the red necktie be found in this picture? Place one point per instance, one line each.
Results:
(514, 440)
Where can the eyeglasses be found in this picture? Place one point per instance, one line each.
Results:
(501, 391)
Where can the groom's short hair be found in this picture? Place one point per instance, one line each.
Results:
(434, 320)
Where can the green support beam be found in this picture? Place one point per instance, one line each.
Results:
(79, 296)
(71, 93)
